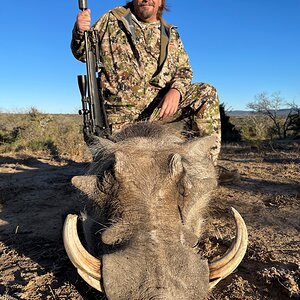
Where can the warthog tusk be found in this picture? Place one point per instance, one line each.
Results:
(88, 266)
(225, 265)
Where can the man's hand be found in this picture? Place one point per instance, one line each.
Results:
(83, 21)
(169, 104)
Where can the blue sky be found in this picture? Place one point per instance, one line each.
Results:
(241, 47)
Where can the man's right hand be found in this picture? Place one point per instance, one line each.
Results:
(83, 21)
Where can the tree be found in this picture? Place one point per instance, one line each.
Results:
(293, 120)
(270, 106)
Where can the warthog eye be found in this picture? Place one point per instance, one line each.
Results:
(106, 183)
(184, 186)
(181, 188)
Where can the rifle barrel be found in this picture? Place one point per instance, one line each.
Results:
(82, 4)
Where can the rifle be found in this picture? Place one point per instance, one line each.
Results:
(93, 111)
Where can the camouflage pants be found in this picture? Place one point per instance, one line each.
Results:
(202, 103)
(198, 114)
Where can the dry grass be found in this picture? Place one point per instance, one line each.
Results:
(60, 136)
(38, 190)
(33, 132)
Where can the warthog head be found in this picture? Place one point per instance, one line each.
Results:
(150, 190)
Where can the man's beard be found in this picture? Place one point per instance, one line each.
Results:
(146, 11)
(145, 14)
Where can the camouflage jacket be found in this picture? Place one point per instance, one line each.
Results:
(127, 81)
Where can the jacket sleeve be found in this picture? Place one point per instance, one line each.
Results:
(183, 74)
(77, 42)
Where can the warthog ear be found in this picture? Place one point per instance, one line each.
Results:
(201, 147)
(176, 167)
(100, 142)
(97, 144)
(86, 184)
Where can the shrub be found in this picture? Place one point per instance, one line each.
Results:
(229, 132)
(34, 132)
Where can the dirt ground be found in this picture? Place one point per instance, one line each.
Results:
(36, 195)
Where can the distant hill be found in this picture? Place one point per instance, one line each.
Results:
(243, 113)
(238, 113)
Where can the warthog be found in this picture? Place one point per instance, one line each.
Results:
(150, 190)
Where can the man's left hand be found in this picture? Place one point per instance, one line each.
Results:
(169, 104)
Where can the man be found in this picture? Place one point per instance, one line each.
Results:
(147, 74)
